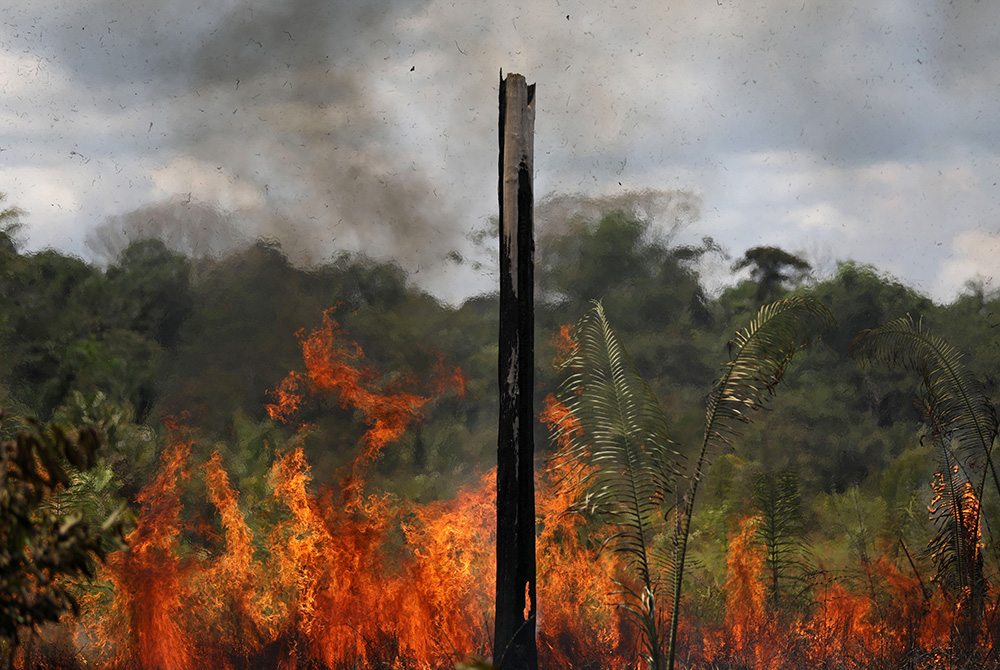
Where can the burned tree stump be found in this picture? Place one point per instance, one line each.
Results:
(514, 639)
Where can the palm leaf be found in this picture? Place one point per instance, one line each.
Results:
(617, 442)
(954, 401)
(955, 512)
(759, 355)
(614, 441)
(963, 426)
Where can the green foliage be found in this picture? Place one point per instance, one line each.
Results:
(759, 355)
(777, 499)
(852, 523)
(617, 444)
(249, 455)
(10, 225)
(41, 545)
(128, 460)
(151, 289)
(771, 268)
(65, 326)
(970, 325)
(953, 400)
(621, 435)
(45, 311)
(644, 283)
(860, 297)
(118, 363)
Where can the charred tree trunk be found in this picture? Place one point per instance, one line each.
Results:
(514, 637)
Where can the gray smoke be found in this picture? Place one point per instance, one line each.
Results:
(670, 211)
(371, 126)
(305, 129)
(270, 95)
(195, 229)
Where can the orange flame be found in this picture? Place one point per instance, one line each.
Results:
(564, 344)
(335, 364)
(151, 579)
(744, 590)
(444, 378)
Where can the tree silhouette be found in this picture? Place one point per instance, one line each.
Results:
(771, 267)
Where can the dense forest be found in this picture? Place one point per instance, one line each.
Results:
(200, 374)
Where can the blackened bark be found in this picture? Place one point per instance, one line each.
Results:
(514, 636)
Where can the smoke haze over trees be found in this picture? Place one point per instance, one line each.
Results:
(165, 331)
(369, 127)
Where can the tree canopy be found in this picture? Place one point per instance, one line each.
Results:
(772, 268)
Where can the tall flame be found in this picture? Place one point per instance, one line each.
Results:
(335, 365)
(151, 579)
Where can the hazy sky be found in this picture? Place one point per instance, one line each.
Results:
(839, 130)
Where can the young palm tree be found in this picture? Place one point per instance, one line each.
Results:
(963, 426)
(616, 442)
(616, 433)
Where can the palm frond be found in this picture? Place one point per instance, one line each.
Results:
(954, 400)
(954, 510)
(615, 442)
(963, 426)
(955, 513)
(759, 355)
(616, 436)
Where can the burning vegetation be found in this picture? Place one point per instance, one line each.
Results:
(321, 502)
(336, 576)
(330, 577)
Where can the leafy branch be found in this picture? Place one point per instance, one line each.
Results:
(40, 545)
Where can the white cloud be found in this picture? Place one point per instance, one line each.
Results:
(975, 257)
(201, 181)
(43, 196)
(26, 73)
(40, 190)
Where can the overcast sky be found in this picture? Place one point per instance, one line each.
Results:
(838, 130)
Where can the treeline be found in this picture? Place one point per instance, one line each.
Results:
(167, 335)
(160, 337)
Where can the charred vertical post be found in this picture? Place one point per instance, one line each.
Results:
(514, 636)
